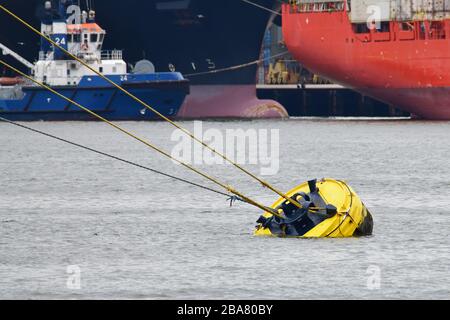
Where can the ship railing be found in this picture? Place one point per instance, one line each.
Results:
(287, 71)
(103, 55)
(111, 55)
(402, 31)
(302, 6)
(13, 93)
(27, 82)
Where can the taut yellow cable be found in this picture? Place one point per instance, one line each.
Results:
(148, 144)
(187, 132)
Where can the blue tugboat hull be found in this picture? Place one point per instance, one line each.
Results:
(164, 92)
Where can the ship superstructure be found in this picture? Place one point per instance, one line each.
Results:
(85, 40)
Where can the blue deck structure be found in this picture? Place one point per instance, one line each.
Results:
(163, 91)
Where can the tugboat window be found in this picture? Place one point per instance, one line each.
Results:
(77, 38)
(94, 37)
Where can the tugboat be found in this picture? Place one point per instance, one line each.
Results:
(78, 33)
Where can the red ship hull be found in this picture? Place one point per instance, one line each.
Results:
(407, 69)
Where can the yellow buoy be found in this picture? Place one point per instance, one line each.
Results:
(331, 208)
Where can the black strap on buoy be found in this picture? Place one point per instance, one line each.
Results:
(234, 199)
(313, 186)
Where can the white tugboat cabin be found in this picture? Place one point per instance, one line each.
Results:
(83, 40)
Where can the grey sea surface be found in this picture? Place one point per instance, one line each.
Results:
(137, 235)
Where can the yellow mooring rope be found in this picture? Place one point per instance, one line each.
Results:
(148, 144)
(187, 132)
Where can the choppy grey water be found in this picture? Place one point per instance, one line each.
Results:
(136, 235)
